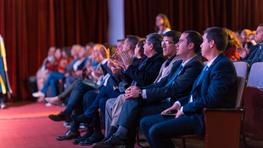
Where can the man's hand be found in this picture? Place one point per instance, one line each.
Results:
(126, 59)
(116, 69)
(175, 106)
(132, 92)
(243, 52)
(179, 113)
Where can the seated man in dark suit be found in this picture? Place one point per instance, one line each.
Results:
(215, 87)
(156, 97)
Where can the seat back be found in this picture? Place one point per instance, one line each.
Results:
(241, 83)
(255, 75)
(241, 69)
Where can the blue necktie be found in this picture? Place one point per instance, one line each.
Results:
(177, 73)
(199, 79)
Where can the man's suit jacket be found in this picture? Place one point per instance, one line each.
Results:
(217, 89)
(255, 55)
(166, 69)
(182, 84)
(146, 73)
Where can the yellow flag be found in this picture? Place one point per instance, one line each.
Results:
(2, 83)
(2, 52)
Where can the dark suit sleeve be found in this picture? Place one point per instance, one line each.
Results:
(222, 82)
(145, 76)
(180, 87)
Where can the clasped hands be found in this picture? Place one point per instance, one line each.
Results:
(175, 107)
(132, 92)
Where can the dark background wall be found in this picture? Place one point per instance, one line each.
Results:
(192, 14)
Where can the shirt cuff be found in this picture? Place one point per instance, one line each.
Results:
(181, 109)
(177, 102)
(144, 95)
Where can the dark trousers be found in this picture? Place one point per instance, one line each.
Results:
(134, 109)
(104, 94)
(91, 95)
(160, 129)
(52, 82)
(76, 97)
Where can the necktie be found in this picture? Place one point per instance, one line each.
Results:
(178, 72)
(199, 79)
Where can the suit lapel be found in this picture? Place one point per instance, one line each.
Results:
(207, 72)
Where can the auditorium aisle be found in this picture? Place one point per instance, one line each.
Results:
(27, 126)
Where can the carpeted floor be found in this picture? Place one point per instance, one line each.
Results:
(27, 126)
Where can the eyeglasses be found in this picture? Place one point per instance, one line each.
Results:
(166, 42)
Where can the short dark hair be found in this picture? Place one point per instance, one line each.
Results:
(195, 38)
(133, 40)
(156, 40)
(175, 35)
(219, 35)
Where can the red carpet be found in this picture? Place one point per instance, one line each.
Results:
(27, 126)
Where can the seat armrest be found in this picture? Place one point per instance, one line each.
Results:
(223, 109)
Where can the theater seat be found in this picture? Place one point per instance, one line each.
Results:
(241, 69)
(253, 103)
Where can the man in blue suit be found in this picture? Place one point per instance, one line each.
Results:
(215, 87)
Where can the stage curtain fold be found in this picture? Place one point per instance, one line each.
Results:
(192, 14)
(30, 27)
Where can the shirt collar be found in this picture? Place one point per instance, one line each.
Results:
(209, 63)
(185, 62)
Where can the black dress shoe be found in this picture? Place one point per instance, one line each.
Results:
(114, 140)
(59, 117)
(82, 138)
(112, 130)
(68, 135)
(92, 139)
